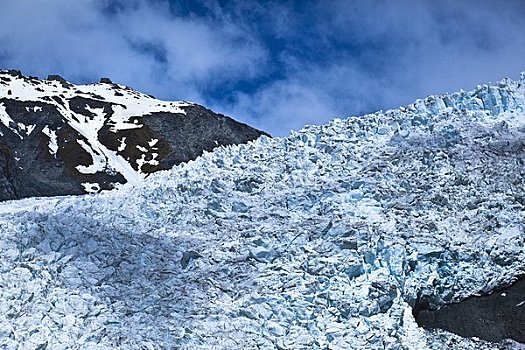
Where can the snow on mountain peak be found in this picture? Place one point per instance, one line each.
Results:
(125, 103)
(13, 83)
(325, 239)
(98, 134)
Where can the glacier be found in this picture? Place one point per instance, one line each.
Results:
(325, 239)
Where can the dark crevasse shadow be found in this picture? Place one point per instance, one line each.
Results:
(493, 317)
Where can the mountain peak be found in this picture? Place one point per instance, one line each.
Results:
(95, 136)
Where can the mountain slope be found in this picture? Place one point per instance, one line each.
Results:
(57, 138)
(326, 239)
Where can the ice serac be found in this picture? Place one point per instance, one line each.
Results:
(60, 138)
(326, 239)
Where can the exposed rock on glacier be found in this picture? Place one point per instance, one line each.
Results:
(494, 317)
(322, 240)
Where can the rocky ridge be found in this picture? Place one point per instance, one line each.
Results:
(326, 239)
(57, 138)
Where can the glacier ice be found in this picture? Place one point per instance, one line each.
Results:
(325, 239)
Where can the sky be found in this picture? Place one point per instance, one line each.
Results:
(276, 65)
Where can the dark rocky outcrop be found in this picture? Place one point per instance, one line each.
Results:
(56, 77)
(200, 137)
(493, 317)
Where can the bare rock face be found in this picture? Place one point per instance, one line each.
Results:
(57, 138)
(493, 317)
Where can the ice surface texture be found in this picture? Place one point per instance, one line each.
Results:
(321, 240)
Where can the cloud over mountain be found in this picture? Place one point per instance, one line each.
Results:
(277, 65)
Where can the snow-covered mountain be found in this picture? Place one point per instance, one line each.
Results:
(57, 138)
(326, 239)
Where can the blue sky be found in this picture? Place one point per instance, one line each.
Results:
(276, 65)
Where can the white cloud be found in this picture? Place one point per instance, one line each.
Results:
(81, 42)
(399, 51)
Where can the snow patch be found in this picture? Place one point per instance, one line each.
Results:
(99, 160)
(7, 120)
(142, 149)
(53, 141)
(27, 129)
(120, 120)
(142, 161)
(91, 187)
(99, 152)
(122, 144)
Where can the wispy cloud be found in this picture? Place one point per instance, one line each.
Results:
(138, 43)
(370, 55)
(277, 65)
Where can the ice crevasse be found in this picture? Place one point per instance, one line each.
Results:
(325, 239)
